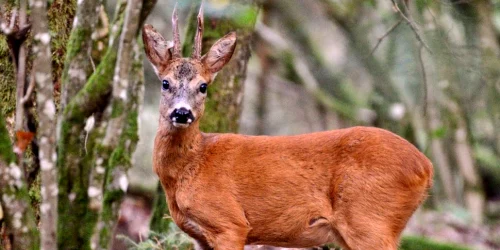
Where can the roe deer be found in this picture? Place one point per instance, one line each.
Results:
(355, 187)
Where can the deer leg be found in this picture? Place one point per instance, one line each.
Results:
(201, 245)
(230, 241)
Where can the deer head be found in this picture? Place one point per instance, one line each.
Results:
(184, 81)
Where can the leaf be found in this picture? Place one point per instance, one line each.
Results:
(24, 138)
(439, 132)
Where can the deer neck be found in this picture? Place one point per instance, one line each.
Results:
(176, 151)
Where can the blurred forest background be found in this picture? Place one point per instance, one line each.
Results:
(428, 70)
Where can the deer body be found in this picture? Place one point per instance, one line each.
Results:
(356, 187)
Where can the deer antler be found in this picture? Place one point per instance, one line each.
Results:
(199, 35)
(177, 40)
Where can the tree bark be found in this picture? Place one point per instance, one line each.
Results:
(94, 106)
(15, 201)
(47, 122)
(121, 115)
(78, 62)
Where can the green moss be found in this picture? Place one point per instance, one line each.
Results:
(73, 178)
(6, 153)
(118, 108)
(7, 79)
(76, 41)
(419, 243)
(221, 109)
(34, 193)
(29, 240)
(60, 17)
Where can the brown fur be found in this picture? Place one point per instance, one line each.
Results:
(356, 187)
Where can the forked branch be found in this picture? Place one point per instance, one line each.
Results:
(412, 24)
(380, 39)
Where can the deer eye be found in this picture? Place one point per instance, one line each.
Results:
(203, 88)
(165, 85)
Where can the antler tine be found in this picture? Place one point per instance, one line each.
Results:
(177, 39)
(199, 35)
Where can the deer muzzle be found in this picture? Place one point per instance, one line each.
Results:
(181, 117)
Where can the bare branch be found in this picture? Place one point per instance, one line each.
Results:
(103, 31)
(20, 59)
(380, 39)
(412, 24)
(303, 70)
(31, 87)
(424, 79)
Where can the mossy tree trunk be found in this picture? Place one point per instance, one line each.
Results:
(15, 202)
(98, 131)
(223, 105)
(91, 102)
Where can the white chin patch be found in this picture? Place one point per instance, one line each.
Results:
(181, 125)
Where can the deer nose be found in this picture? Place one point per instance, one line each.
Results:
(182, 115)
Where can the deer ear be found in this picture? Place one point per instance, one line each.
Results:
(156, 47)
(220, 53)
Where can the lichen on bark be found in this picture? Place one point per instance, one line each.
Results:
(78, 62)
(73, 174)
(15, 201)
(75, 163)
(117, 145)
(46, 122)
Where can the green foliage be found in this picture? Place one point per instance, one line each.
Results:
(160, 208)
(289, 68)
(174, 238)
(439, 132)
(419, 243)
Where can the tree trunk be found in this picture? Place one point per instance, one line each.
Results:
(98, 128)
(18, 214)
(46, 109)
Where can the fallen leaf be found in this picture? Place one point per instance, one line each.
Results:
(24, 138)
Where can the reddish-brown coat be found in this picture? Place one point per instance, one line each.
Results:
(357, 187)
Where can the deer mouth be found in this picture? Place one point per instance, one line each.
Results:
(181, 125)
(181, 117)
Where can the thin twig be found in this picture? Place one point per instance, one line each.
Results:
(412, 25)
(380, 39)
(91, 61)
(424, 79)
(31, 87)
